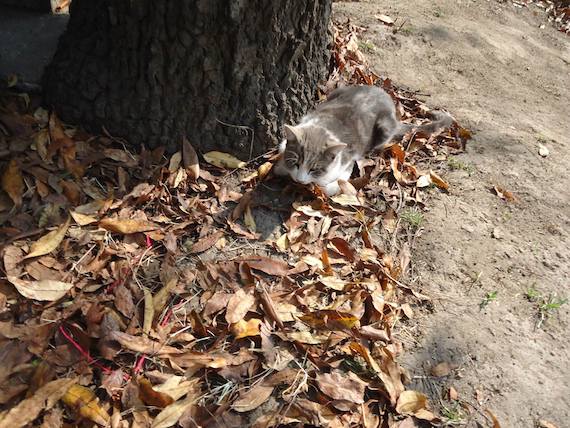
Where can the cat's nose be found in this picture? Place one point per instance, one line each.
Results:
(303, 178)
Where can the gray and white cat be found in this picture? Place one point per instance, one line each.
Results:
(352, 122)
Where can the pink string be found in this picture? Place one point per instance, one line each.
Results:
(83, 352)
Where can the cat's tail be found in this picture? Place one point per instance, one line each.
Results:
(440, 120)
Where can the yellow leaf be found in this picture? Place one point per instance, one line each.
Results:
(49, 242)
(13, 183)
(82, 400)
(45, 290)
(190, 159)
(175, 161)
(244, 328)
(82, 219)
(223, 160)
(264, 169)
(126, 226)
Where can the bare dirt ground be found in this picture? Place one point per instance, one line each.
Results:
(508, 80)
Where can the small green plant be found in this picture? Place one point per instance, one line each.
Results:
(437, 13)
(456, 164)
(413, 217)
(366, 46)
(548, 307)
(453, 415)
(489, 297)
(532, 294)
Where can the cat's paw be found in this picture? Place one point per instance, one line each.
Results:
(332, 189)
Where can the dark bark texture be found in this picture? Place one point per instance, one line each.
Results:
(36, 5)
(225, 73)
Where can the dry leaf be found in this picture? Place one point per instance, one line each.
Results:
(239, 304)
(170, 415)
(341, 386)
(44, 399)
(190, 159)
(438, 181)
(206, 242)
(13, 183)
(175, 162)
(347, 200)
(330, 319)
(545, 424)
(249, 220)
(82, 219)
(423, 181)
(504, 194)
(453, 395)
(413, 403)
(148, 311)
(264, 170)
(253, 398)
(244, 328)
(126, 226)
(223, 160)
(265, 264)
(150, 397)
(49, 242)
(84, 401)
(44, 290)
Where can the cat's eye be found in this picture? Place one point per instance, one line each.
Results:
(291, 163)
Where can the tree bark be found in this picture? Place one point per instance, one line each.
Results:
(225, 73)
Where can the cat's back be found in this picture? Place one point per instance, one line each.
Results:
(357, 98)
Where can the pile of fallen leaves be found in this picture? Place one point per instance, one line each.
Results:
(140, 289)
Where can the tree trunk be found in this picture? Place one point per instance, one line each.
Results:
(226, 74)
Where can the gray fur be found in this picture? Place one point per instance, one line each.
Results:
(352, 122)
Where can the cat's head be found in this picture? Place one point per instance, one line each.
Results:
(311, 154)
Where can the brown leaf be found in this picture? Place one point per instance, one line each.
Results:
(150, 397)
(344, 248)
(141, 344)
(340, 386)
(253, 398)
(126, 226)
(84, 401)
(190, 159)
(206, 242)
(504, 194)
(236, 228)
(13, 182)
(44, 290)
(239, 304)
(49, 242)
(330, 319)
(82, 219)
(266, 264)
(453, 395)
(438, 181)
(244, 328)
(44, 399)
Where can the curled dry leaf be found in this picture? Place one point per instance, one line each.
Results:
(190, 159)
(49, 242)
(341, 386)
(44, 290)
(496, 423)
(44, 399)
(438, 181)
(414, 403)
(504, 194)
(239, 304)
(244, 328)
(126, 226)
(13, 183)
(264, 170)
(223, 160)
(86, 404)
(253, 398)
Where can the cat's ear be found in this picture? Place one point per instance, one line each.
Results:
(292, 134)
(335, 149)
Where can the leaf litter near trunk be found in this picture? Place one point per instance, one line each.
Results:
(176, 299)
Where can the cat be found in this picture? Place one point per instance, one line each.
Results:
(352, 122)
